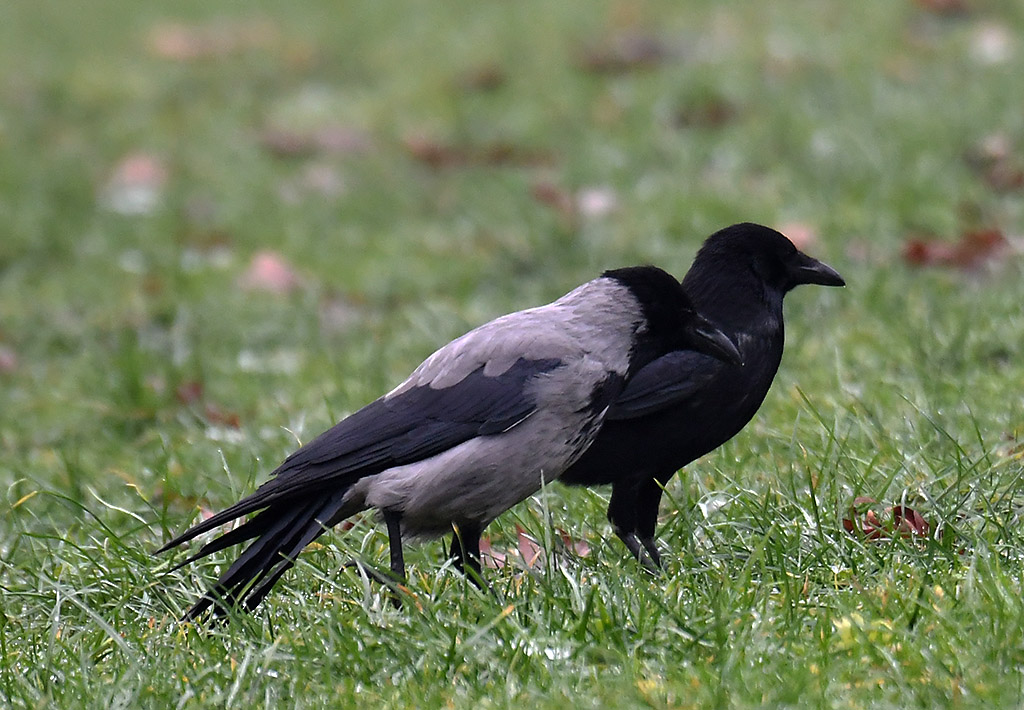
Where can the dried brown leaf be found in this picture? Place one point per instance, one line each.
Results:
(579, 547)
(489, 557)
(974, 250)
(909, 522)
(899, 520)
(530, 552)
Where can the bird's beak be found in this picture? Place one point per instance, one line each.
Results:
(805, 270)
(704, 337)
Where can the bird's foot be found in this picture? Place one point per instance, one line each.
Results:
(394, 584)
(644, 550)
(651, 548)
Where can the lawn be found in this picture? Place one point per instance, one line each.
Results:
(225, 227)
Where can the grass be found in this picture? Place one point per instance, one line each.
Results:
(905, 387)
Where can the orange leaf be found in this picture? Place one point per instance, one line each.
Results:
(529, 550)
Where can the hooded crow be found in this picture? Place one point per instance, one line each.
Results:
(475, 429)
(683, 405)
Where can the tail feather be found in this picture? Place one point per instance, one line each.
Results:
(245, 506)
(262, 587)
(281, 532)
(260, 555)
(254, 527)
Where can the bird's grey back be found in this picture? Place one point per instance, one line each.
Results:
(598, 320)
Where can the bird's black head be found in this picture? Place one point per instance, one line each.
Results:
(672, 321)
(767, 254)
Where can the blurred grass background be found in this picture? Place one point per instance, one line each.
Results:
(224, 227)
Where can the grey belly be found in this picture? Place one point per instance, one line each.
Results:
(479, 479)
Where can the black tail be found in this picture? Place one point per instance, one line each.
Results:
(281, 531)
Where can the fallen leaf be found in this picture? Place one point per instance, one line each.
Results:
(908, 521)
(489, 557)
(624, 53)
(862, 519)
(269, 271)
(974, 250)
(579, 547)
(898, 520)
(529, 550)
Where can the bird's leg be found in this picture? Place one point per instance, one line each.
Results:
(622, 513)
(465, 551)
(394, 522)
(647, 501)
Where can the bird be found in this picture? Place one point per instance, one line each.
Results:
(683, 405)
(480, 425)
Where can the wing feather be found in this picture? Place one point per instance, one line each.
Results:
(398, 429)
(663, 383)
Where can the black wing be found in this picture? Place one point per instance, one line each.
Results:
(408, 427)
(667, 381)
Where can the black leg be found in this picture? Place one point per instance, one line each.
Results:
(622, 515)
(647, 502)
(394, 523)
(465, 551)
(629, 513)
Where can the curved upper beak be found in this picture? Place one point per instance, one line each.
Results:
(704, 337)
(807, 270)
